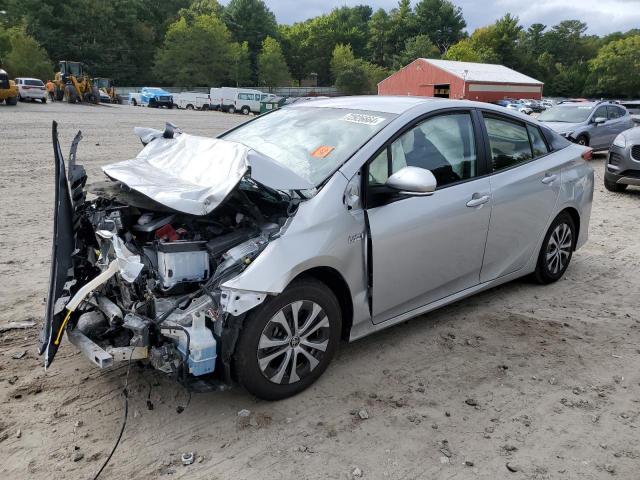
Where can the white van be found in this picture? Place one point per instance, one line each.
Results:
(193, 100)
(243, 100)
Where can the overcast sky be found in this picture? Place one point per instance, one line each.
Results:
(602, 16)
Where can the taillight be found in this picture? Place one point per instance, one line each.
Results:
(587, 154)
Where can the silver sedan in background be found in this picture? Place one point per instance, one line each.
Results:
(249, 256)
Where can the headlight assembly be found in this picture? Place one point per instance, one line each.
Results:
(620, 141)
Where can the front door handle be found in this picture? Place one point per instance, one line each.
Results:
(547, 179)
(475, 202)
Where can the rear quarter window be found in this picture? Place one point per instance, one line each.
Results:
(554, 140)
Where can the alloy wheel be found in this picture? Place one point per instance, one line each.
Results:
(293, 342)
(559, 248)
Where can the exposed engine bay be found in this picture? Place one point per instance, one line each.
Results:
(142, 280)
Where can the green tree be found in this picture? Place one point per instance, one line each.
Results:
(615, 71)
(272, 66)
(195, 54)
(402, 26)
(476, 48)
(417, 47)
(240, 64)
(25, 58)
(379, 44)
(341, 59)
(441, 21)
(353, 80)
(250, 21)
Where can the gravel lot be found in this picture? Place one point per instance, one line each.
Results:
(543, 381)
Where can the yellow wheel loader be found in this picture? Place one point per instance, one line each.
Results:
(73, 84)
(107, 89)
(8, 89)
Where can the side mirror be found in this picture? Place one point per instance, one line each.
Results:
(413, 181)
(599, 120)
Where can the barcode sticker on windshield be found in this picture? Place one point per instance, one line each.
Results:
(362, 118)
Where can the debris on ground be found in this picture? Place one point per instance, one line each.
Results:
(16, 326)
(188, 458)
(18, 354)
(512, 467)
(356, 472)
(472, 402)
(363, 414)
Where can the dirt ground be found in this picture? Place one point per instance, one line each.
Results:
(542, 379)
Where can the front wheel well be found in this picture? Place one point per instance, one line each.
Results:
(337, 284)
(575, 216)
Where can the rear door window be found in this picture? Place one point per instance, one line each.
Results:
(614, 112)
(508, 142)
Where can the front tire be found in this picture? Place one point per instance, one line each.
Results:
(246, 110)
(582, 140)
(557, 250)
(12, 101)
(288, 341)
(614, 187)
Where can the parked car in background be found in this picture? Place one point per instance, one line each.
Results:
(153, 97)
(242, 100)
(595, 124)
(193, 101)
(519, 107)
(534, 105)
(331, 218)
(623, 162)
(31, 89)
(633, 107)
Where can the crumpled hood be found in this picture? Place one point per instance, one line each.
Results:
(561, 127)
(195, 175)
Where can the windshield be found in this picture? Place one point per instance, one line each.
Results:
(566, 113)
(35, 83)
(313, 142)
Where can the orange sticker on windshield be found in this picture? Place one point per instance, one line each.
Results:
(322, 151)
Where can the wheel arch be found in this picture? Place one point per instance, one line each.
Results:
(339, 287)
(575, 216)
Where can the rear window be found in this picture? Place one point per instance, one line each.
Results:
(34, 83)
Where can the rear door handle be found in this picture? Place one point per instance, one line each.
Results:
(475, 202)
(547, 179)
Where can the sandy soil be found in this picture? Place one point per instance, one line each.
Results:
(544, 379)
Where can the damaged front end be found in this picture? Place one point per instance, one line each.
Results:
(138, 269)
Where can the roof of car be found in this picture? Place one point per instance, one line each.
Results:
(391, 104)
(375, 103)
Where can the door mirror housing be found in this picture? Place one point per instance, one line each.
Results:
(413, 181)
(599, 120)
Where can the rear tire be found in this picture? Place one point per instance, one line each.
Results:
(614, 187)
(43, 100)
(273, 360)
(134, 103)
(557, 250)
(231, 109)
(189, 107)
(12, 101)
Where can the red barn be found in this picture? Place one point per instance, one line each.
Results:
(483, 82)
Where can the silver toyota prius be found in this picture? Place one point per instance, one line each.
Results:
(246, 258)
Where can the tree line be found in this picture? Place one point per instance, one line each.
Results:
(200, 42)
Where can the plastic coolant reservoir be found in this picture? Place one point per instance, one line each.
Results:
(202, 347)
